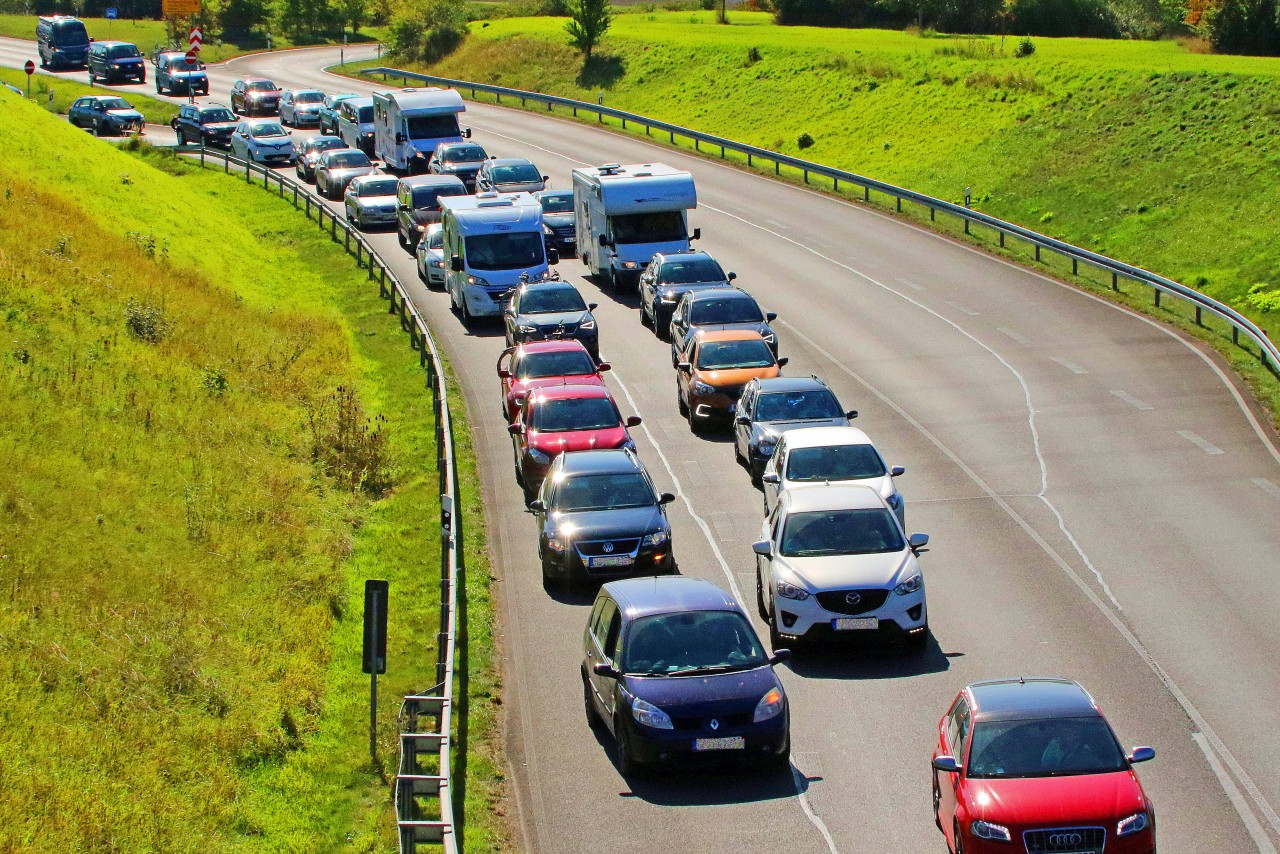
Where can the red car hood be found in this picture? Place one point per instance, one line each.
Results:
(1086, 799)
(523, 387)
(578, 440)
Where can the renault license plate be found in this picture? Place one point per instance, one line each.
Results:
(612, 560)
(846, 624)
(735, 742)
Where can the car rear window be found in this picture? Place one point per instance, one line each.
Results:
(564, 363)
(835, 462)
(567, 415)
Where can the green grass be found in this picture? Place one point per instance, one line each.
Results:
(183, 580)
(147, 34)
(66, 91)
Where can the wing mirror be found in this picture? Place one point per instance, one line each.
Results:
(537, 505)
(606, 670)
(770, 477)
(603, 366)
(592, 306)
(604, 240)
(514, 429)
(634, 421)
(731, 276)
(770, 316)
(851, 414)
(697, 234)
(762, 548)
(947, 764)
(779, 656)
(466, 133)
(400, 138)
(897, 470)
(546, 179)
(504, 374)
(741, 419)
(455, 263)
(1142, 754)
(684, 368)
(404, 207)
(666, 498)
(553, 257)
(782, 363)
(918, 541)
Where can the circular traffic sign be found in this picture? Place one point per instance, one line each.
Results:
(192, 58)
(30, 68)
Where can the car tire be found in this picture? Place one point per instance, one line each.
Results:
(645, 319)
(781, 759)
(680, 404)
(142, 80)
(530, 492)
(588, 704)
(696, 427)
(661, 327)
(627, 764)
(761, 608)
(937, 800)
(159, 91)
(757, 472)
(467, 318)
(551, 582)
(959, 847)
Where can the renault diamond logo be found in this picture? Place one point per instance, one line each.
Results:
(608, 548)
(1066, 840)
(715, 724)
(853, 598)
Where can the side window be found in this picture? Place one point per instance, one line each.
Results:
(958, 728)
(611, 639)
(600, 621)
(595, 613)
(775, 522)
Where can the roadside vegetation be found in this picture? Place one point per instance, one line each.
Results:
(66, 91)
(214, 434)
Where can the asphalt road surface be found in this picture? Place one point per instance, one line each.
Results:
(1102, 502)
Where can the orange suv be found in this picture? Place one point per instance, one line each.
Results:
(720, 362)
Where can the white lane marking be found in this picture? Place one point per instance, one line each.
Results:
(777, 224)
(964, 308)
(1267, 486)
(797, 778)
(967, 498)
(1014, 334)
(1200, 442)
(1251, 823)
(1070, 366)
(910, 284)
(1131, 400)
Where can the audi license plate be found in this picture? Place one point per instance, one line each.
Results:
(735, 742)
(611, 560)
(846, 624)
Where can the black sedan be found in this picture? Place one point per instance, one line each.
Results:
(600, 517)
(551, 310)
(558, 221)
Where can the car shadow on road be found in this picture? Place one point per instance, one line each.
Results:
(838, 661)
(581, 594)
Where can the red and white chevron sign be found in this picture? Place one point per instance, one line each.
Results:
(196, 38)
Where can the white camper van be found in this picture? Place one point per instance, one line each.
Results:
(410, 123)
(490, 240)
(625, 214)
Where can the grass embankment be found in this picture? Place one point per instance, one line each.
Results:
(65, 91)
(1144, 151)
(181, 552)
(148, 34)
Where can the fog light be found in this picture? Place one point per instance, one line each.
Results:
(915, 611)
(788, 618)
(658, 557)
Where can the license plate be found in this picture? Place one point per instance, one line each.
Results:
(613, 560)
(735, 742)
(846, 624)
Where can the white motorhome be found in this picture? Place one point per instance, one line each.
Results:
(490, 241)
(625, 214)
(410, 123)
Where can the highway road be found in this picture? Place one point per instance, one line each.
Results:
(1101, 496)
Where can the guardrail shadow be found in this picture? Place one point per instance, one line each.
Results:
(876, 661)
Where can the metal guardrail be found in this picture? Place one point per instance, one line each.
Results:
(1267, 350)
(424, 770)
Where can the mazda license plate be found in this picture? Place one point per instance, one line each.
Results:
(847, 624)
(734, 742)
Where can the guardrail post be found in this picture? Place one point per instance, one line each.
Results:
(806, 180)
(1115, 281)
(1075, 266)
(1002, 240)
(295, 197)
(835, 185)
(1235, 335)
(966, 225)
(899, 204)
(696, 145)
(722, 152)
(499, 96)
(933, 215)
(624, 124)
(1157, 291)
(1198, 323)
(360, 255)
(777, 168)
(346, 240)
(308, 199)
(866, 194)
(673, 137)
(749, 162)
(226, 165)
(1037, 251)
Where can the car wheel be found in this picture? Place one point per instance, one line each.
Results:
(959, 847)
(645, 318)
(515, 453)
(937, 801)
(159, 91)
(530, 491)
(467, 319)
(142, 79)
(779, 760)
(422, 276)
(757, 472)
(552, 582)
(761, 608)
(627, 764)
(589, 705)
(680, 404)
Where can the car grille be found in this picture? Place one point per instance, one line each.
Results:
(733, 392)
(703, 723)
(837, 602)
(596, 548)
(563, 231)
(1076, 840)
(557, 331)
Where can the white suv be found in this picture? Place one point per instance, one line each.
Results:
(830, 455)
(834, 562)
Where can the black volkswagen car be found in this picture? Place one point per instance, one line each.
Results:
(550, 310)
(672, 667)
(599, 517)
(719, 308)
(208, 124)
(671, 275)
(558, 220)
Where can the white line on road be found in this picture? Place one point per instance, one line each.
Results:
(1131, 400)
(911, 284)
(1200, 442)
(1016, 336)
(1267, 486)
(1234, 795)
(1070, 366)
(964, 308)
(777, 224)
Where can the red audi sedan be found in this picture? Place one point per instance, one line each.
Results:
(1032, 765)
(564, 418)
(544, 363)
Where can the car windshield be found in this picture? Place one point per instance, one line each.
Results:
(658, 227)
(266, 129)
(433, 127)
(114, 104)
(464, 154)
(429, 197)
(365, 115)
(504, 251)
(551, 300)
(260, 86)
(836, 462)
(70, 33)
(725, 309)
(218, 115)
(435, 239)
(1050, 747)
(308, 97)
(324, 143)
(724, 355)
(794, 405)
(378, 187)
(349, 160)
(522, 173)
(567, 415)
(825, 533)
(180, 63)
(563, 363)
(602, 492)
(557, 203)
(691, 641)
(693, 270)
(123, 51)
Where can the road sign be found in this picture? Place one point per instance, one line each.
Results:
(112, 13)
(196, 39)
(30, 68)
(192, 57)
(181, 7)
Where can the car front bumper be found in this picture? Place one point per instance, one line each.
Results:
(898, 619)
(644, 561)
(761, 741)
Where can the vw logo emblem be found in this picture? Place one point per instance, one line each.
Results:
(715, 724)
(1066, 840)
(608, 548)
(853, 598)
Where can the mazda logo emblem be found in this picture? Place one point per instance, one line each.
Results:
(1066, 840)
(853, 598)
(608, 548)
(715, 724)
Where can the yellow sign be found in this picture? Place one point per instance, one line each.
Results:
(181, 7)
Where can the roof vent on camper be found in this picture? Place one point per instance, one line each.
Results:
(493, 200)
(611, 169)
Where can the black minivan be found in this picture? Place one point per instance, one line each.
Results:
(113, 61)
(62, 42)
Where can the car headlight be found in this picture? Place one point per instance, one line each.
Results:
(588, 324)
(766, 446)
(987, 830)
(787, 590)
(630, 265)
(657, 538)
(911, 585)
(769, 707)
(368, 133)
(1133, 824)
(650, 715)
(703, 388)
(477, 280)
(436, 262)
(559, 541)
(538, 456)
(667, 296)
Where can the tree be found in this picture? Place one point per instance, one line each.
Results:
(429, 32)
(353, 13)
(1244, 26)
(310, 18)
(589, 21)
(242, 16)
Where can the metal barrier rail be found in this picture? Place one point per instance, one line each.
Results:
(414, 784)
(1267, 350)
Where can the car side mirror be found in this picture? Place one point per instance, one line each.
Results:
(634, 421)
(592, 306)
(684, 368)
(731, 276)
(455, 263)
(514, 429)
(289, 132)
(604, 240)
(404, 207)
(782, 363)
(897, 470)
(741, 419)
(503, 373)
(666, 498)
(466, 133)
(762, 548)
(697, 234)
(851, 414)
(400, 139)
(553, 257)
(546, 179)
(770, 477)
(770, 316)
(946, 764)
(779, 656)
(606, 670)
(1142, 754)
(918, 541)
(537, 505)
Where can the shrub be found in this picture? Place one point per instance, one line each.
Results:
(804, 141)
(1025, 47)
(753, 55)
(146, 321)
(351, 449)
(428, 33)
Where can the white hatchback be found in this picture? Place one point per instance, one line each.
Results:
(263, 141)
(833, 562)
(430, 256)
(844, 455)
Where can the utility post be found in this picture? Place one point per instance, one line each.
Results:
(375, 651)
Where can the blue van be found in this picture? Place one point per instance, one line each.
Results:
(62, 42)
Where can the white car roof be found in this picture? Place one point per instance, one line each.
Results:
(825, 437)
(801, 499)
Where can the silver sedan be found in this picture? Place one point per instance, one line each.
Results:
(336, 168)
(371, 201)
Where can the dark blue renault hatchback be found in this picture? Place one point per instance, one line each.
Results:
(672, 667)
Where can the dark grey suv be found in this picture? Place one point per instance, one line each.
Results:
(116, 61)
(770, 407)
(670, 276)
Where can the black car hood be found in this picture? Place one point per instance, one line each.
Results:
(218, 127)
(678, 289)
(552, 320)
(460, 169)
(612, 524)
(705, 696)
